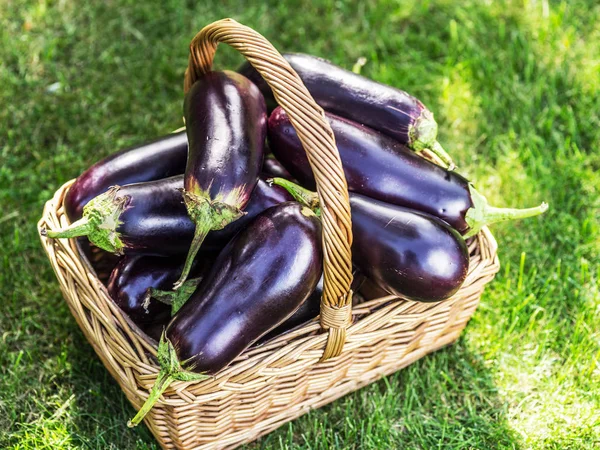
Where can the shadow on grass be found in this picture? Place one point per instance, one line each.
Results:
(445, 400)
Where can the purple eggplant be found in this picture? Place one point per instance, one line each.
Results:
(308, 310)
(102, 262)
(154, 330)
(259, 279)
(381, 168)
(131, 279)
(389, 110)
(158, 159)
(273, 168)
(141, 217)
(312, 307)
(408, 253)
(226, 120)
(370, 290)
(150, 218)
(135, 278)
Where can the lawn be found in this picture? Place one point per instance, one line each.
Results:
(515, 86)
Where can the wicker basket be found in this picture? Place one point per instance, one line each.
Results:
(273, 383)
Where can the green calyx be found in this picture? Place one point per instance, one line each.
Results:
(300, 194)
(482, 214)
(208, 215)
(176, 299)
(170, 370)
(101, 218)
(422, 135)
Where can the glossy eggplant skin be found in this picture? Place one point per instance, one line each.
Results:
(370, 290)
(311, 308)
(340, 91)
(226, 125)
(155, 220)
(408, 253)
(307, 311)
(158, 159)
(133, 276)
(102, 262)
(261, 277)
(273, 168)
(379, 167)
(154, 329)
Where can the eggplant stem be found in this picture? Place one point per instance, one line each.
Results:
(199, 235)
(358, 65)
(431, 157)
(81, 227)
(422, 134)
(300, 194)
(439, 151)
(163, 381)
(101, 218)
(208, 215)
(170, 370)
(175, 299)
(482, 214)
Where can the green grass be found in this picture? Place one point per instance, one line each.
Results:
(515, 86)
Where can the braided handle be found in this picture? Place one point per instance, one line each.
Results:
(319, 143)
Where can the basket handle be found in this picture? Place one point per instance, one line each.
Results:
(318, 141)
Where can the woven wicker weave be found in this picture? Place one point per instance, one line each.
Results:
(270, 384)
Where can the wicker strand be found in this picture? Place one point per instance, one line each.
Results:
(331, 318)
(317, 139)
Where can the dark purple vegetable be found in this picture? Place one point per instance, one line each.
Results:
(389, 110)
(135, 277)
(308, 310)
(158, 159)
(273, 168)
(408, 253)
(312, 307)
(261, 277)
(371, 291)
(101, 261)
(131, 279)
(226, 120)
(141, 217)
(154, 330)
(381, 168)
(150, 218)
